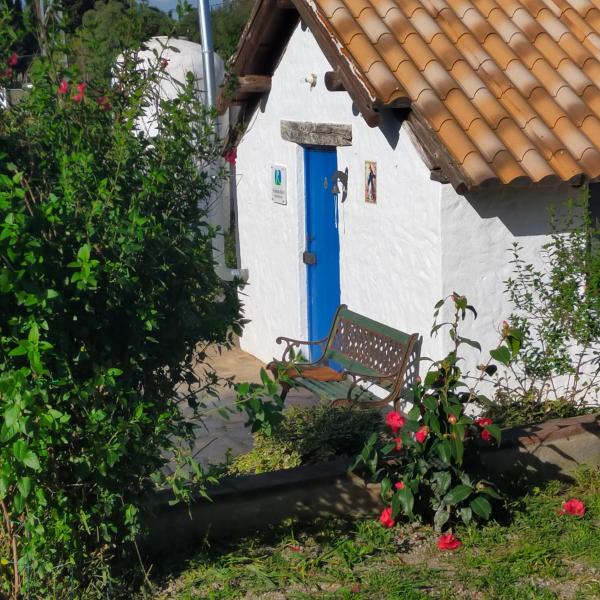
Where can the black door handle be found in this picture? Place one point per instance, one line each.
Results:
(309, 258)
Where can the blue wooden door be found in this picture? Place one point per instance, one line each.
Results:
(322, 256)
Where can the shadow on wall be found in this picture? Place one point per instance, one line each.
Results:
(524, 211)
(538, 453)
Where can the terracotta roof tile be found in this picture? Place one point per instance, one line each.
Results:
(509, 87)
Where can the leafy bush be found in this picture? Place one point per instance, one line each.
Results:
(307, 436)
(108, 296)
(428, 462)
(557, 306)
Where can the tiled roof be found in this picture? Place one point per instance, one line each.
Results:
(509, 87)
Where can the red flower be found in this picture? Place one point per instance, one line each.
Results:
(63, 88)
(483, 421)
(8, 72)
(422, 434)
(573, 507)
(13, 60)
(386, 518)
(399, 485)
(78, 97)
(394, 420)
(486, 436)
(231, 156)
(295, 548)
(164, 63)
(448, 542)
(398, 444)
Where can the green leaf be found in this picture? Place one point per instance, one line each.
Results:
(443, 479)
(466, 514)
(24, 485)
(495, 431)
(444, 449)
(430, 403)
(490, 491)
(406, 499)
(440, 518)
(458, 494)
(12, 414)
(4, 483)
(501, 354)
(18, 503)
(481, 507)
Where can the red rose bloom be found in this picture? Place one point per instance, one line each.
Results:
(78, 97)
(482, 421)
(386, 518)
(231, 156)
(448, 542)
(422, 434)
(394, 420)
(486, 435)
(13, 60)
(63, 87)
(398, 442)
(573, 507)
(399, 485)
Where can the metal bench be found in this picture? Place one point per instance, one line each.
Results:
(364, 353)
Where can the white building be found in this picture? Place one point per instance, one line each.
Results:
(477, 123)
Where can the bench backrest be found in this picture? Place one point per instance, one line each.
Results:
(366, 346)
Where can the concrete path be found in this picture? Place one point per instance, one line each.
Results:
(216, 435)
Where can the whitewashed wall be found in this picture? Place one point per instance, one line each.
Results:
(397, 258)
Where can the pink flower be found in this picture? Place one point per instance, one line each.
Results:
(399, 485)
(447, 541)
(394, 420)
(386, 518)
(573, 507)
(63, 87)
(452, 419)
(483, 421)
(13, 60)
(78, 97)
(398, 442)
(231, 156)
(418, 379)
(422, 434)
(486, 436)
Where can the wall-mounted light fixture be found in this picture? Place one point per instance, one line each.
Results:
(340, 177)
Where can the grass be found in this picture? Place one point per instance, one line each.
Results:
(539, 554)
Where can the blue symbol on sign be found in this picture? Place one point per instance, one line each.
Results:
(277, 176)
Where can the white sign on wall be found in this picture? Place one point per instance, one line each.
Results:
(278, 184)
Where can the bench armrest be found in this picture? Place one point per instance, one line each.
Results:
(291, 343)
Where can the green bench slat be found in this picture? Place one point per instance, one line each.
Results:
(374, 325)
(334, 389)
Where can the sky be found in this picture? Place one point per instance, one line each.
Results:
(167, 5)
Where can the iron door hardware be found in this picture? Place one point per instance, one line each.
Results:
(309, 258)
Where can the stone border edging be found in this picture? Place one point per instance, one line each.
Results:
(244, 504)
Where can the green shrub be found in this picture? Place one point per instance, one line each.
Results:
(108, 296)
(308, 436)
(427, 462)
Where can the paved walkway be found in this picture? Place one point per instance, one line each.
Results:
(216, 434)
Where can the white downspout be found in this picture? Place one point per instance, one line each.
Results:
(218, 212)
